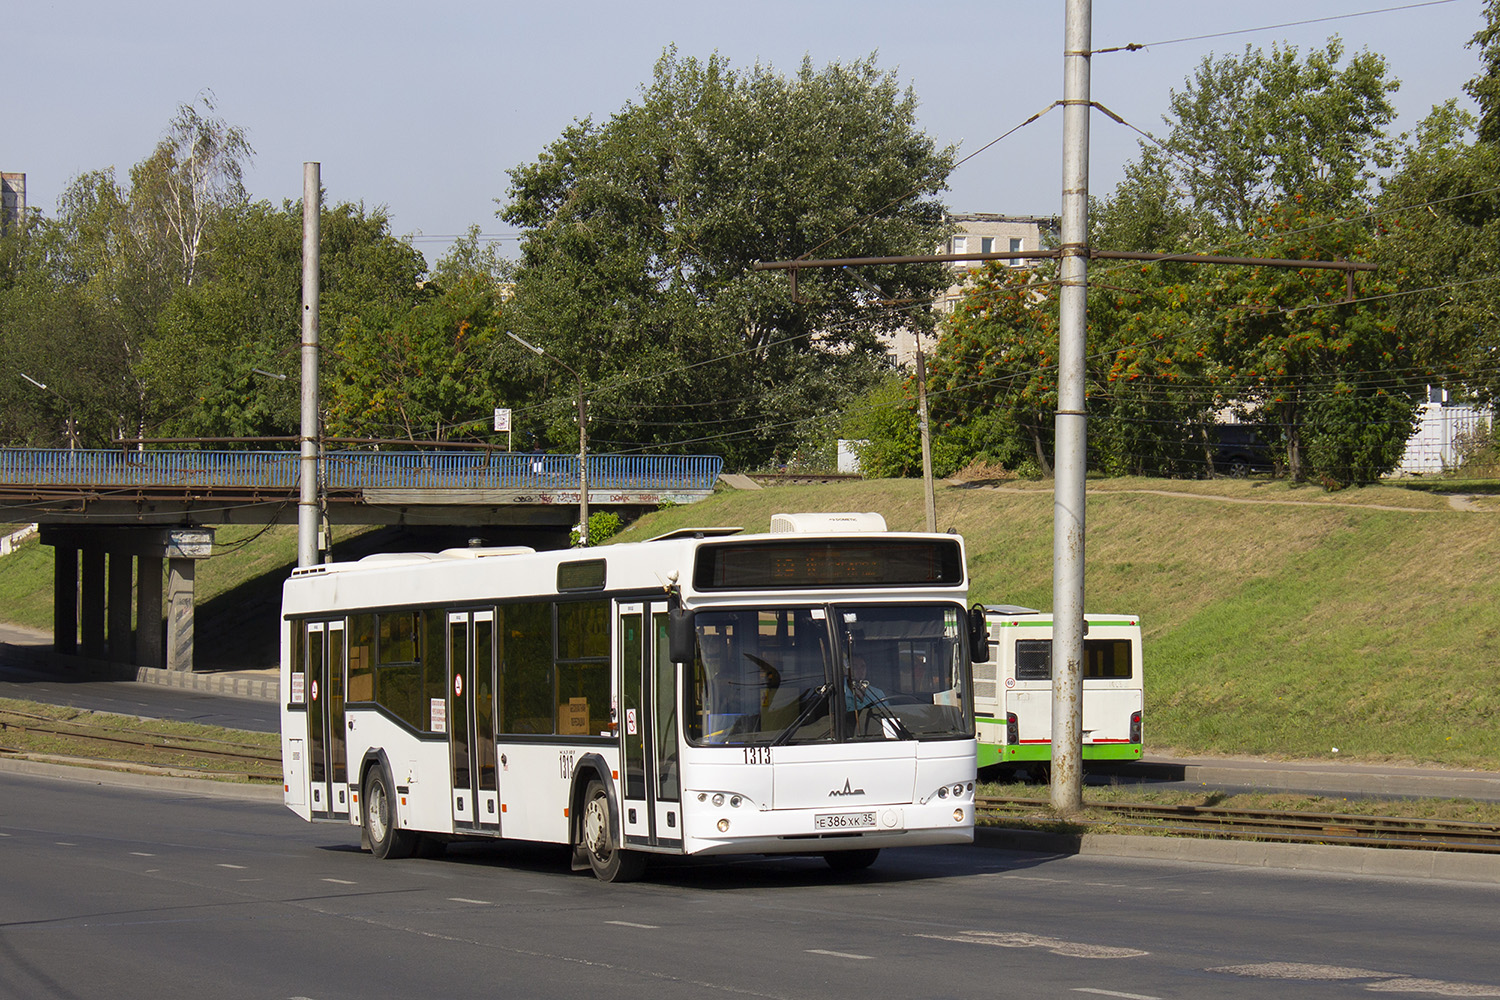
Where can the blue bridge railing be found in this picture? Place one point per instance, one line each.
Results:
(355, 470)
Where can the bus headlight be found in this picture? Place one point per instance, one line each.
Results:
(718, 798)
(958, 815)
(723, 826)
(943, 792)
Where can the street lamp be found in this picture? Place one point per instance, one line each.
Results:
(72, 418)
(583, 439)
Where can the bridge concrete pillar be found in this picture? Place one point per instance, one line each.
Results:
(91, 613)
(118, 603)
(65, 599)
(149, 650)
(180, 574)
(107, 593)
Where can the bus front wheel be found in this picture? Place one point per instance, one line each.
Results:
(379, 817)
(609, 861)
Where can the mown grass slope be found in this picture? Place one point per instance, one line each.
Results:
(1278, 620)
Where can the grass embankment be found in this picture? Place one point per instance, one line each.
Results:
(1279, 620)
(76, 736)
(1101, 820)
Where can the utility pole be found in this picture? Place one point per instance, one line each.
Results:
(583, 439)
(1071, 425)
(307, 504)
(929, 499)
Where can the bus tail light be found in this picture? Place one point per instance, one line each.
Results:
(1135, 727)
(1012, 729)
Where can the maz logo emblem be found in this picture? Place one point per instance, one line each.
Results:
(846, 790)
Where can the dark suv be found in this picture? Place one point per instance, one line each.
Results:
(1240, 449)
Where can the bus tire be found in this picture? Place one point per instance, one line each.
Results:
(378, 817)
(610, 862)
(851, 861)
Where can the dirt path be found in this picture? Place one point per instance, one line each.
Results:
(1466, 503)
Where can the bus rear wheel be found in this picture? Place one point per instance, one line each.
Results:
(851, 861)
(610, 862)
(379, 818)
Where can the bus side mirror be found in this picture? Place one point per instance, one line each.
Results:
(979, 636)
(682, 635)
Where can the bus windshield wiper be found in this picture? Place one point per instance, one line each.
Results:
(822, 691)
(881, 707)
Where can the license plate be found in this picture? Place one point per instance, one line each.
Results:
(844, 821)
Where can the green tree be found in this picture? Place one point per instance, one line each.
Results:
(1485, 88)
(199, 366)
(1440, 233)
(1250, 132)
(1297, 353)
(993, 377)
(640, 233)
(436, 373)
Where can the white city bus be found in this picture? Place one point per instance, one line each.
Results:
(806, 691)
(1013, 691)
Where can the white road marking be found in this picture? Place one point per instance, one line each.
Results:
(460, 899)
(838, 954)
(1070, 949)
(339, 881)
(627, 923)
(141, 854)
(1114, 993)
(1378, 982)
(63, 843)
(238, 868)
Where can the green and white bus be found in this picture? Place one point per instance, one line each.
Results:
(1013, 691)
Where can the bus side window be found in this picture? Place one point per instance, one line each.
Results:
(583, 683)
(361, 658)
(526, 681)
(398, 677)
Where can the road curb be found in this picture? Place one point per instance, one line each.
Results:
(135, 779)
(252, 685)
(1334, 859)
(1315, 777)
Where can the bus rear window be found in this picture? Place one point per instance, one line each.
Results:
(1103, 659)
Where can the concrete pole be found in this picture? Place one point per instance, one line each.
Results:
(929, 499)
(583, 468)
(1071, 427)
(307, 504)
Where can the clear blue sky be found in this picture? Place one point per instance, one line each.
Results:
(424, 107)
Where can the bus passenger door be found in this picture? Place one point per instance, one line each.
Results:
(636, 801)
(328, 767)
(651, 814)
(471, 720)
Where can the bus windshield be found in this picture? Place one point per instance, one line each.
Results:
(831, 673)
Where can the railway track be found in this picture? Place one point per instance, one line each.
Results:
(210, 756)
(192, 753)
(1268, 825)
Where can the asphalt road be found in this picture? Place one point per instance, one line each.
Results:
(125, 893)
(152, 701)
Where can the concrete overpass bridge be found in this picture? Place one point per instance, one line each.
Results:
(116, 518)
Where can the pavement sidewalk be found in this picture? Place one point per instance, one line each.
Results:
(31, 650)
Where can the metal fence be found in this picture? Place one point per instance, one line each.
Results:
(356, 470)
